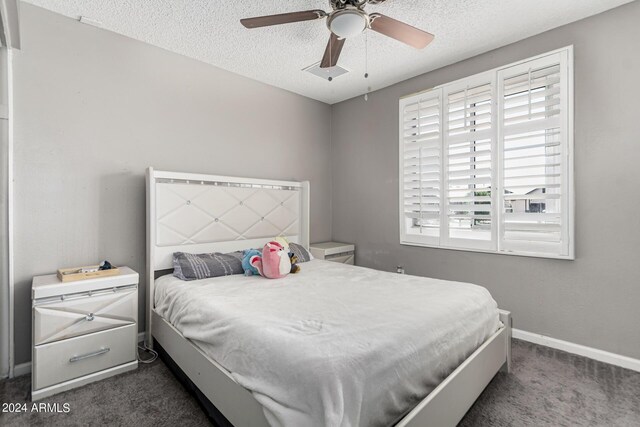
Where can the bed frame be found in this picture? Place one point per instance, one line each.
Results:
(207, 213)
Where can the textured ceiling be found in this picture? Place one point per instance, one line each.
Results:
(210, 31)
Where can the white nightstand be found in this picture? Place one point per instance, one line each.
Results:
(83, 331)
(334, 251)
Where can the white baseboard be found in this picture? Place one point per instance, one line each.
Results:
(22, 369)
(581, 350)
(25, 368)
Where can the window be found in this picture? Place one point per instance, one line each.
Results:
(486, 162)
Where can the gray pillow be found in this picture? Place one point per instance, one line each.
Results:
(301, 252)
(201, 266)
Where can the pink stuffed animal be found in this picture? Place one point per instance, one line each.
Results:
(274, 262)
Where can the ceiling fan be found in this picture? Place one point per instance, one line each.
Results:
(347, 19)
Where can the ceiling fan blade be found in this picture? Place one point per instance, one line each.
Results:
(400, 31)
(283, 18)
(332, 52)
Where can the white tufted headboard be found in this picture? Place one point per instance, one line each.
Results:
(199, 213)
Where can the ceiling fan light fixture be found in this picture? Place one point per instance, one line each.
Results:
(347, 23)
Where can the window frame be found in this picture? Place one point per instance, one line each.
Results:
(495, 246)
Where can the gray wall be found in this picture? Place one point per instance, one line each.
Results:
(94, 109)
(593, 300)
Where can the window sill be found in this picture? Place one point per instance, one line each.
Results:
(570, 257)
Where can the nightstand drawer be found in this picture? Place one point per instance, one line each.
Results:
(344, 259)
(58, 319)
(72, 358)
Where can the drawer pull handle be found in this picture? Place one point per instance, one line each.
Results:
(89, 317)
(88, 355)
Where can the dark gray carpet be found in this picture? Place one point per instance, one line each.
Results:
(549, 387)
(546, 388)
(149, 396)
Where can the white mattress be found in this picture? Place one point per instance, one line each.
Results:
(334, 345)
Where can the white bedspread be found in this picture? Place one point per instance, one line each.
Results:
(334, 345)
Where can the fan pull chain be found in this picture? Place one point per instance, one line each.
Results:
(330, 54)
(366, 63)
(366, 54)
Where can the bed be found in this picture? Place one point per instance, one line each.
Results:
(332, 345)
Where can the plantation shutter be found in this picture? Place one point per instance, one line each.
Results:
(468, 148)
(420, 167)
(533, 145)
(486, 162)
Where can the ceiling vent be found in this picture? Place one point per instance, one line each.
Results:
(326, 73)
(90, 21)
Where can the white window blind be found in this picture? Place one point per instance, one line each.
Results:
(421, 142)
(468, 143)
(486, 162)
(534, 149)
